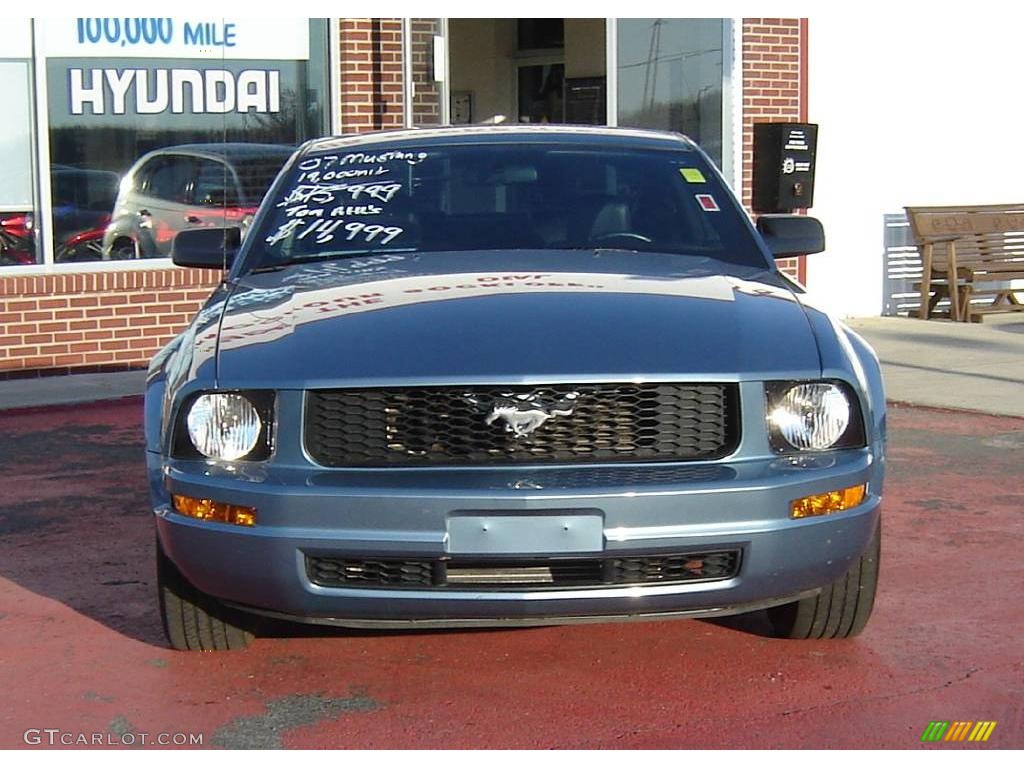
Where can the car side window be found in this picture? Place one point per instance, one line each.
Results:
(215, 185)
(140, 179)
(170, 179)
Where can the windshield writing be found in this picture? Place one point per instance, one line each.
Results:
(502, 196)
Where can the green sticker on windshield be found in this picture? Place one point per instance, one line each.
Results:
(692, 175)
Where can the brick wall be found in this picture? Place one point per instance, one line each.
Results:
(371, 74)
(426, 102)
(94, 322)
(774, 89)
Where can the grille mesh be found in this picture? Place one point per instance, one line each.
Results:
(506, 575)
(588, 423)
(328, 571)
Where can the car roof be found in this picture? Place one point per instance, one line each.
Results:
(231, 150)
(489, 134)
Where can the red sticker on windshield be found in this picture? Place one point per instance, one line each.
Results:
(707, 202)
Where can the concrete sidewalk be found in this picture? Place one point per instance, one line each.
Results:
(977, 367)
(971, 366)
(65, 390)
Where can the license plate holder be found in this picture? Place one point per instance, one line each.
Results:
(541, 533)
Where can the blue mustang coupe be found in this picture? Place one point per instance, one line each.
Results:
(499, 376)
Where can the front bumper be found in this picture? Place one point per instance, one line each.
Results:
(643, 510)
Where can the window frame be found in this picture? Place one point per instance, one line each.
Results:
(732, 93)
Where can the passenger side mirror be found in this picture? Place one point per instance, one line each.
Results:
(207, 248)
(787, 235)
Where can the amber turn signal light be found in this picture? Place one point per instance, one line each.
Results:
(216, 511)
(827, 503)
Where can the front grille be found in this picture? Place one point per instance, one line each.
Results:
(522, 575)
(565, 424)
(620, 476)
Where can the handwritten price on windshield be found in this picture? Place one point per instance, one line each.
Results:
(325, 231)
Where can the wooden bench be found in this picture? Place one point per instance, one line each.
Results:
(979, 245)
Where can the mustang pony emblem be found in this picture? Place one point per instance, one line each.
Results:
(523, 414)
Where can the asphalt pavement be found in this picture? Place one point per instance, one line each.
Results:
(82, 651)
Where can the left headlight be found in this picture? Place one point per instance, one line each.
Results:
(812, 416)
(227, 426)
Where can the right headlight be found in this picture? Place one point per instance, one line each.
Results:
(812, 416)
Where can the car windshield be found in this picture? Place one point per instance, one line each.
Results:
(501, 196)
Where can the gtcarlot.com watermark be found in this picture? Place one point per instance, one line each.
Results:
(54, 737)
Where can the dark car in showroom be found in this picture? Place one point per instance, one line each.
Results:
(189, 186)
(82, 202)
(510, 375)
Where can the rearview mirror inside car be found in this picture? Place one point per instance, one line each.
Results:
(207, 248)
(787, 235)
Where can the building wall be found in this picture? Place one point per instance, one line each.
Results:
(114, 320)
(105, 316)
(774, 90)
(426, 104)
(98, 321)
(371, 74)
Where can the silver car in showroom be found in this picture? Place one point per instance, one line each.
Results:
(188, 186)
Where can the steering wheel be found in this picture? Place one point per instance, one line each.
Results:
(626, 235)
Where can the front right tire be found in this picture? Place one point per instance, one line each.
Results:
(193, 621)
(840, 610)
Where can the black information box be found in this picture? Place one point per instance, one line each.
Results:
(784, 166)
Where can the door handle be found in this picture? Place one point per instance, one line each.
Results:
(145, 212)
(191, 219)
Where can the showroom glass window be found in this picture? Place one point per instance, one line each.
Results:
(106, 112)
(17, 193)
(670, 76)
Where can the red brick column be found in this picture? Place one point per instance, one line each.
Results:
(774, 89)
(371, 74)
(100, 321)
(426, 104)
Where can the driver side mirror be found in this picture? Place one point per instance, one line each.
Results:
(207, 248)
(787, 235)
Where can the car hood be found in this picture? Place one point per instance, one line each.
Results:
(510, 317)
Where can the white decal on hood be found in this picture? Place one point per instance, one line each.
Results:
(256, 327)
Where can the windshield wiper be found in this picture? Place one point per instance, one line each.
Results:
(328, 256)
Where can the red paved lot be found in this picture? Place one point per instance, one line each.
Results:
(81, 648)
